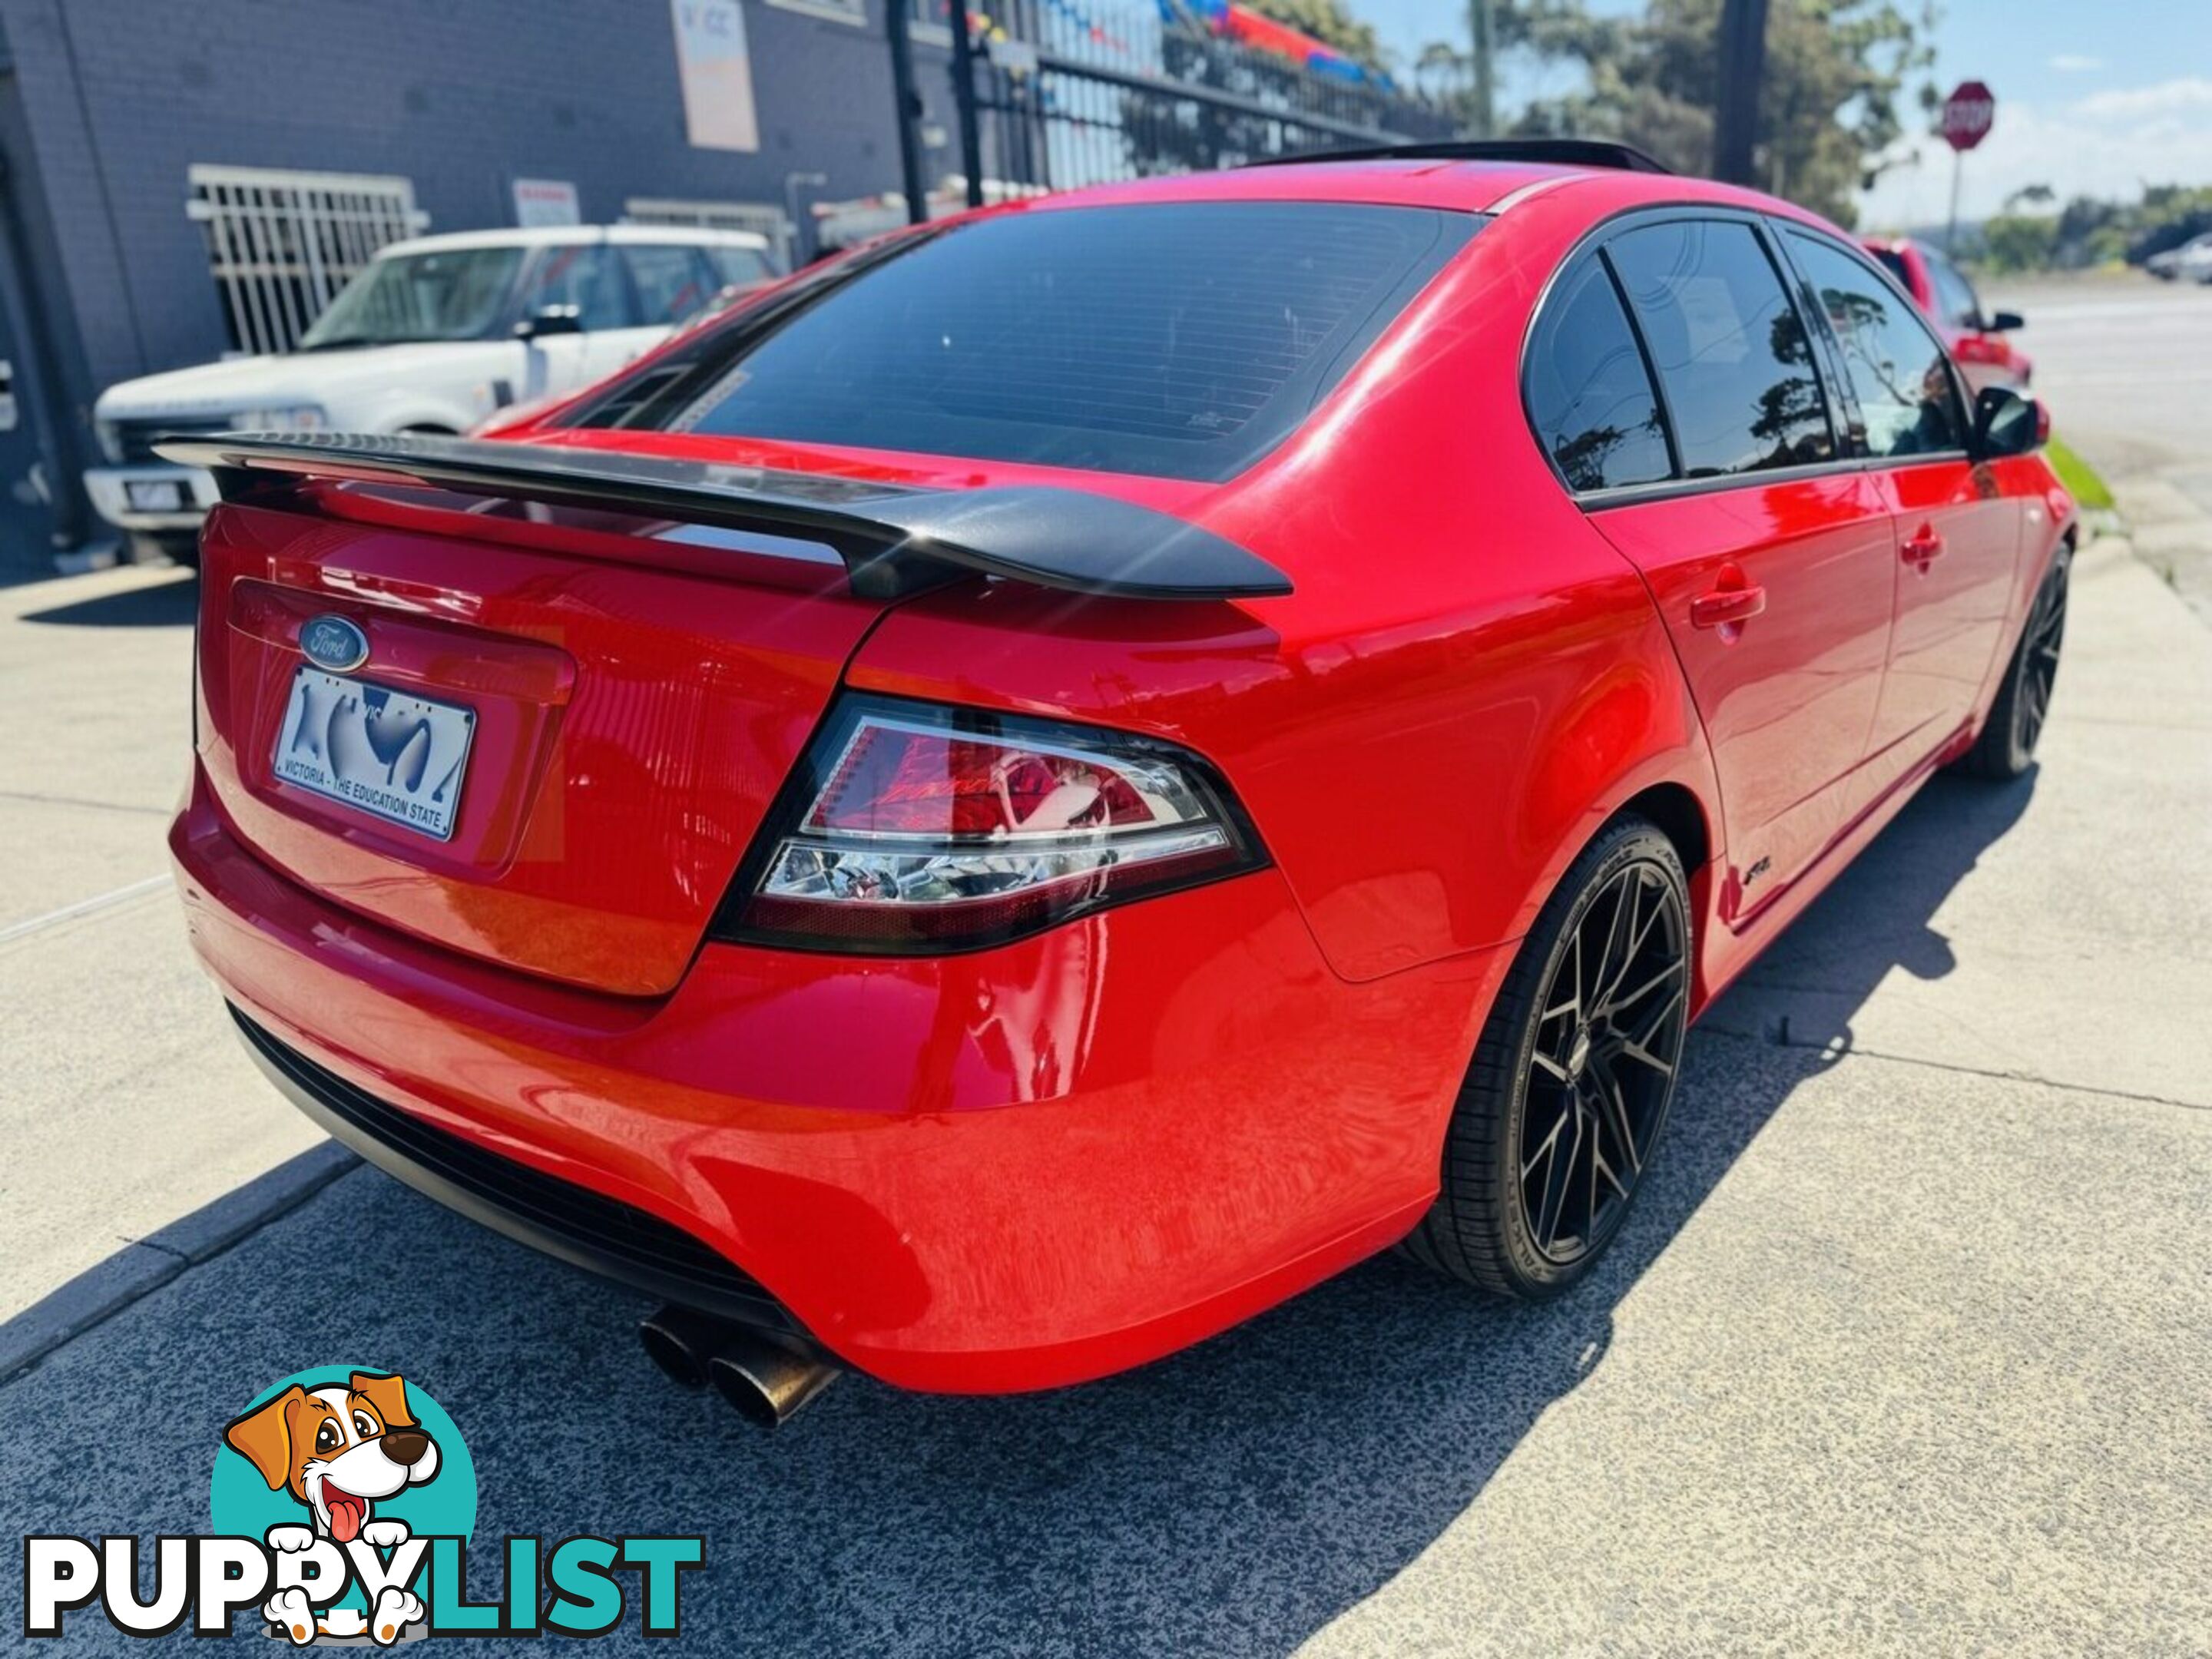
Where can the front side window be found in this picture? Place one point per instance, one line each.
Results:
(1730, 350)
(582, 275)
(1589, 396)
(1898, 373)
(452, 294)
(1179, 339)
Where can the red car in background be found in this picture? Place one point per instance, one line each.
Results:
(1067, 774)
(1978, 339)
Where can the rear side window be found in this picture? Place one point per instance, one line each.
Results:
(1589, 396)
(1730, 350)
(1178, 339)
(1898, 376)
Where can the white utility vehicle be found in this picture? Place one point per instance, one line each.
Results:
(434, 335)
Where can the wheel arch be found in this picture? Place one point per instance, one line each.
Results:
(1680, 816)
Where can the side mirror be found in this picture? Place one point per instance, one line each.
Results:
(550, 319)
(2006, 423)
(2004, 322)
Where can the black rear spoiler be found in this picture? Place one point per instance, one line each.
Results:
(893, 539)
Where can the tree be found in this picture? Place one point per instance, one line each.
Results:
(1831, 107)
(2020, 241)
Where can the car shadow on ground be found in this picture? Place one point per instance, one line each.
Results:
(168, 603)
(1232, 1500)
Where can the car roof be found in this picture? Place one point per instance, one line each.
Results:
(1465, 185)
(569, 235)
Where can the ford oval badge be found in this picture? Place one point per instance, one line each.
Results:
(334, 643)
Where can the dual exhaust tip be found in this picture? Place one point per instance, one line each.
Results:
(767, 1380)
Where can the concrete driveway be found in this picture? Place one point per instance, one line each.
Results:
(1907, 1349)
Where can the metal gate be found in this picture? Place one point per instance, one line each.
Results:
(281, 244)
(1068, 93)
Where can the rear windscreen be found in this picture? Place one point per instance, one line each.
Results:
(1179, 339)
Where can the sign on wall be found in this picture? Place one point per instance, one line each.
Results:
(546, 202)
(717, 75)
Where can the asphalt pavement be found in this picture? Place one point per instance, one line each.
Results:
(1905, 1350)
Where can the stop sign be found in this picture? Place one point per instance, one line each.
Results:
(1967, 114)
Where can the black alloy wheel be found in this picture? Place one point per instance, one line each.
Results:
(2038, 663)
(1556, 1124)
(1601, 1069)
(2006, 747)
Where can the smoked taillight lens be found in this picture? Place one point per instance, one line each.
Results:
(912, 828)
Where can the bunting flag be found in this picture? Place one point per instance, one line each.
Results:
(1248, 28)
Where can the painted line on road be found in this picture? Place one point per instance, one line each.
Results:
(82, 908)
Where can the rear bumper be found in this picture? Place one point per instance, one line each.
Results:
(1014, 1169)
(570, 1222)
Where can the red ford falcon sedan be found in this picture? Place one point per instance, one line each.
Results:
(1044, 785)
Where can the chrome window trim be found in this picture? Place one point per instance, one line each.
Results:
(1599, 501)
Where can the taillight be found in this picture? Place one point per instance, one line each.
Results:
(913, 828)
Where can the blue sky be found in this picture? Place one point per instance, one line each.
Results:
(2093, 96)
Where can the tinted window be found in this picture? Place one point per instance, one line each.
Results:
(1730, 348)
(671, 281)
(1895, 263)
(1183, 339)
(1589, 393)
(582, 275)
(1905, 391)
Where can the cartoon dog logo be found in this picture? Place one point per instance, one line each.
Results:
(337, 1451)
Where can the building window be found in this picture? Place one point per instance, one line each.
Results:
(840, 11)
(281, 244)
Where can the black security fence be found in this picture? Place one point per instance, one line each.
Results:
(1066, 93)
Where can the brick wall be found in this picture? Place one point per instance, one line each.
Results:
(121, 96)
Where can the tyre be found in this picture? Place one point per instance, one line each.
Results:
(2007, 743)
(1563, 1105)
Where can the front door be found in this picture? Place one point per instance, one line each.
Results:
(587, 275)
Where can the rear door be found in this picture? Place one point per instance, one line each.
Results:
(1957, 536)
(1768, 552)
